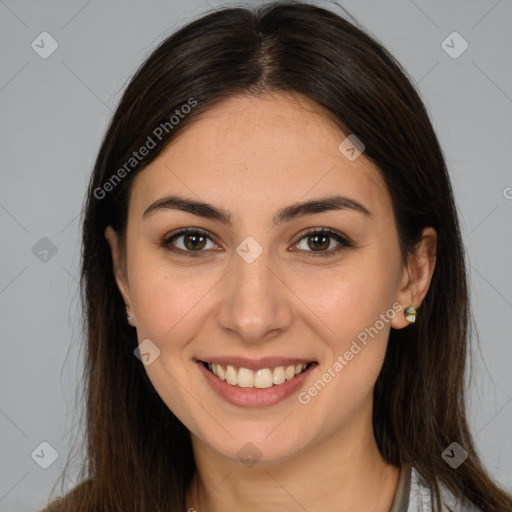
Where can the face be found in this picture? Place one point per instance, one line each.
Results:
(263, 284)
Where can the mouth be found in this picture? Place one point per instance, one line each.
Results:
(256, 383)
(261, 378)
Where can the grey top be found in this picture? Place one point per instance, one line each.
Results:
(413, 495)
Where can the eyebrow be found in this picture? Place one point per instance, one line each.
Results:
(285, 214)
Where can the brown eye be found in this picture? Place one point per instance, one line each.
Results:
(189, 242)
(318, 242)
(194, 242)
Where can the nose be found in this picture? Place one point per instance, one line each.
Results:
(255, 301)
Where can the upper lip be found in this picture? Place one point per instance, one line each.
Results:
(257, 364)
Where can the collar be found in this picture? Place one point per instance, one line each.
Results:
(403, 489)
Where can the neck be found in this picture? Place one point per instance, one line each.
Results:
(345, 472)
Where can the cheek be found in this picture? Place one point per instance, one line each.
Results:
(165, 299)
(167, 304)
(350, 300)
(356, 309)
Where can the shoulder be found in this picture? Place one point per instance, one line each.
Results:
(74, 497)
(54, 506)
(420, 498)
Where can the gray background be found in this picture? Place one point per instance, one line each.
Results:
(54, 112)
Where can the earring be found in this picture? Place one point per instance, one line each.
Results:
(128, 317)
(410, 314)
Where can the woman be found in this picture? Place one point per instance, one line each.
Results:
(274, 282)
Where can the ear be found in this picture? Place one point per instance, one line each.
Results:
(416, 276)
(118, 264)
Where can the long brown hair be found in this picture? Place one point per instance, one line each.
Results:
(138, 454)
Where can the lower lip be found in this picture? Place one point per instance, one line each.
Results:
(255, 397)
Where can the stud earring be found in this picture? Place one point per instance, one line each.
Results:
(128, 317)
(410, 314)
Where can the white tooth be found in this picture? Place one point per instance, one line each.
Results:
(298, 369)
(220, 372)
(231, 376)
(245, 378)
(290, 372)
(278, 376)
(213, 368)
(263, 378)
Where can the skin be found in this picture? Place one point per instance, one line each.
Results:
(252, 156)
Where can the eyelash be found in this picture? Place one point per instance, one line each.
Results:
(343, 241)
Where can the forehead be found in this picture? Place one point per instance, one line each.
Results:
(259, 152)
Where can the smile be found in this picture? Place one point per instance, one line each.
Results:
(261, 379)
